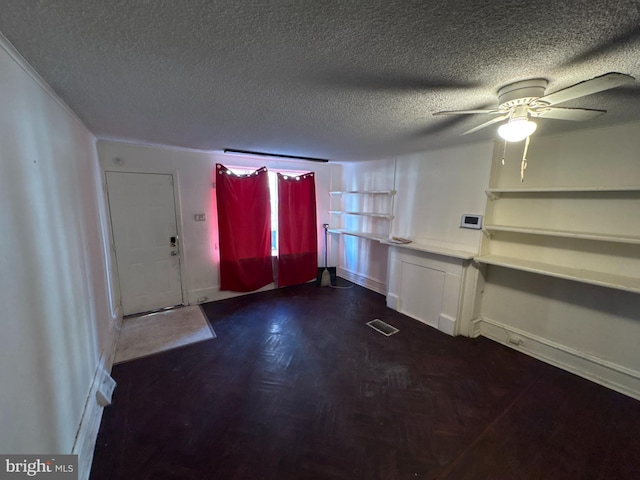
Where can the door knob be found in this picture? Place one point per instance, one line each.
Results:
(174, 253)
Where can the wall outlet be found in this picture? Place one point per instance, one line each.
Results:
(515, 340)
(104, 394)
(200, 217)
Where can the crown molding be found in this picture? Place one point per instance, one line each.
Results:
(22, 62)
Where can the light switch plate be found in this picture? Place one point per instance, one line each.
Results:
(199, 217)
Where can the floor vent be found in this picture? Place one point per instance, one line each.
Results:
(384, 328)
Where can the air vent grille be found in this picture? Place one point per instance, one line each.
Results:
(382, 327)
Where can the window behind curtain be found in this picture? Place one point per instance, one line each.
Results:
(273, 197)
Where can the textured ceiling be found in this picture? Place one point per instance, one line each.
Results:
(343, 80)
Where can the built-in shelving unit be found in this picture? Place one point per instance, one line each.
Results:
(363, 192)
(631, 284)
(497, 192)
(364, 214)
(589, 234)
(353, 233)
(432, 248)
(603, 237)
(371, 209)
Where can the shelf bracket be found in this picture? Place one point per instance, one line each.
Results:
(492, 196)
(486, 233)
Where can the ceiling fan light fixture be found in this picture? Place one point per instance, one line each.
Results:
(517, 129)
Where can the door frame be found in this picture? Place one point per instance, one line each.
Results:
(176, 205)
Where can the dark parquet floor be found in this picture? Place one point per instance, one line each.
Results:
(296, 386)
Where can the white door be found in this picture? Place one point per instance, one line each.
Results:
(143, 220)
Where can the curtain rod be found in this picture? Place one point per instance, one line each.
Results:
(274, 155)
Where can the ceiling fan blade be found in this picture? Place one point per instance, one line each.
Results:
(575, 114)
(486, 124)
(588, 87)
(466, 112)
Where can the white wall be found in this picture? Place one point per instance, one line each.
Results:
(434, 189)
(57, 321)
(194, 171)
(590, 330)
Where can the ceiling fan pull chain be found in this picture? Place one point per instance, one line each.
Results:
(504, 152)
(523, 165)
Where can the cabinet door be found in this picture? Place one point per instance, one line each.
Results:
(422, 289)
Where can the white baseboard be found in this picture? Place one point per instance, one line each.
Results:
(598, 370)
(393, 302)
(87, 433)
(475, 328)
(363, 280)
(213, 294)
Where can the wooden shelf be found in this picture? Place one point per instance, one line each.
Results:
(364, 192)
(370, 236)
(496, 192)
(606, 237)
(363, 214)
(629, 284)
(430, 248)
(422, 247)
(380, 215)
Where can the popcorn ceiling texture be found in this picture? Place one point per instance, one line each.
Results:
(343, 80)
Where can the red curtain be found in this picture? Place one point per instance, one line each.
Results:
(244, 229)
(297, 234)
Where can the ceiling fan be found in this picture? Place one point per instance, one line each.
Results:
(519, 102)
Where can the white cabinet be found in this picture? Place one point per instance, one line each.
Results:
(422, 290)
(433, 284)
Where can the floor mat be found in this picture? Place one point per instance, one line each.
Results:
(156, 332)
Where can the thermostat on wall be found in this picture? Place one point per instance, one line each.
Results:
(471, 221)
